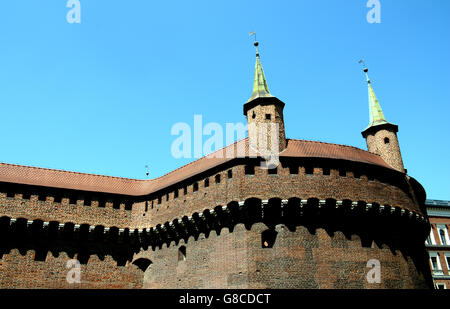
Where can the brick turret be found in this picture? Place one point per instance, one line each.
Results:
(380, 135)
(264, 114)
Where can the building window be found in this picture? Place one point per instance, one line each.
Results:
(182, 254)
(253, 115)
(116, 204)
(447, 259)
(167, 196)
(268, 116)
(430, 238)
(249, 170)
(185, 190)
(443, 235)
(146, 206)
(217, 178)
(356, 174)
(440, 286)
(175, 193)
(195, 186)
(326, 171)
(10, 194)
(386, 140)
(42, 197)
(159, 199)
(434, 263)
(206, 182)
(128, 205)
(230, 174)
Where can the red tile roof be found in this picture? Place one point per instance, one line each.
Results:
(97, 183)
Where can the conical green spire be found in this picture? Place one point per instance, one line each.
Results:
(260, 88)
(375, 112)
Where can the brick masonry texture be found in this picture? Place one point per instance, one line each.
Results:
(21, 271)
(257, 116)
(299, 259)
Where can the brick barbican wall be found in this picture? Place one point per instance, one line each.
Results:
(282, 185)
(298, 259)
(292, 250)
(21, 271)
(276, 117)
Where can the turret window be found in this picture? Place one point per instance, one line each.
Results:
(268, 116)
(386, 140)
(253, 115)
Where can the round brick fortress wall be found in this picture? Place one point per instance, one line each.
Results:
(299, 259)
(163, 207)
(328, 217)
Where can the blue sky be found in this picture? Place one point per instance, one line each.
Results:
(101, 96)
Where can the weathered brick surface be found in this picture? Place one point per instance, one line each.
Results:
(390, 151)
(236, 260)
(298, 259)
(283, 185)
(21, 271)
